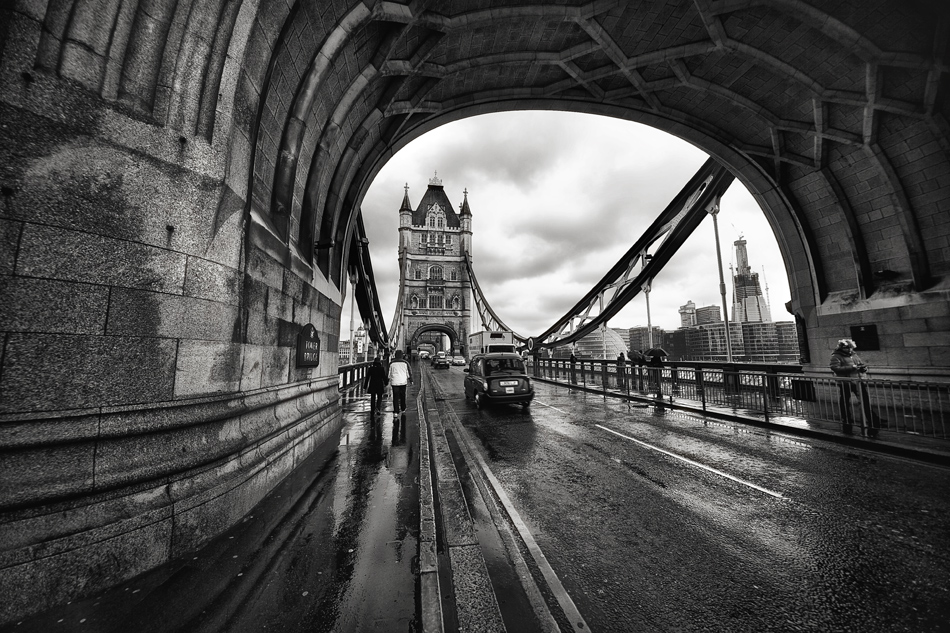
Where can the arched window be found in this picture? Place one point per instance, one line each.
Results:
(432, 220)
(435, 272)
(456, 302)
(414, 302)
(440, 222)
(454, 275)
(435, 302)
(418, 273)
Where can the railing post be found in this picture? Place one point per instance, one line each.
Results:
(700, 386)
(765, 396)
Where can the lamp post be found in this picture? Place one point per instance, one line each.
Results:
(353, 279)
(713, 210)
(365, 340)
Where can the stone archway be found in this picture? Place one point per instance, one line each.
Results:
(454, 342)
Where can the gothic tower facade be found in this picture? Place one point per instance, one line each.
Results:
(433, 242)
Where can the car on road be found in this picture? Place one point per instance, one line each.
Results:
(498, 377)
(441, 361)
(459, 361)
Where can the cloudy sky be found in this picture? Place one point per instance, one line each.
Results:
(556, 199)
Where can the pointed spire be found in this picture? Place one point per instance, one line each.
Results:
(405, 201)
(465, 208)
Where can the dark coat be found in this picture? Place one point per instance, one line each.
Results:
(376, 378)
(846, 364)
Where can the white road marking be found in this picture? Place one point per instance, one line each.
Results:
(550, 407)
(694, 463)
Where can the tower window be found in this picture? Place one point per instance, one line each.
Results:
(435, 302)
(454, 275)
(435, 272)
(418, 273)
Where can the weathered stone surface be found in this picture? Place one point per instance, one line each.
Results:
(34, 585)
(38, 429)
(206, 367)
(141, 313)
(33, 474)
(51, 372)
(98, 260)
(39, 305)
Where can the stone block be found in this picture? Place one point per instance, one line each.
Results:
(57, 372)
(258, 424)
(40, 584)
(28, 476)
(120, 421)
(59, 527)
(98, 260)
(208, 280)
(927, 339)
(143, 313)
(207, 367)
(34, 429)
(9, 237)
(39, 305)
(252, 367)
(125, 460)
(276, 366)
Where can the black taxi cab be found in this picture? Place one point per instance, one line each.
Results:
(498, 378)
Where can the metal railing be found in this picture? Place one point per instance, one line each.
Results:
(352, 375)
(771, 392)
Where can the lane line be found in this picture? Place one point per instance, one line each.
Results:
(550, 407)
(694, 463)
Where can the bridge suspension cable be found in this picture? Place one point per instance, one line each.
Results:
(490, 320)
(367, 298)
(622, 282)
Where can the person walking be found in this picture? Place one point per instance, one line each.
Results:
(400, 377)
(655, 369)
(375, 384)
(848, 368)
(573, 369)
(621, 372)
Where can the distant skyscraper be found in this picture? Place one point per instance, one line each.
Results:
(708, 314)
(688, 314)
(748, 304)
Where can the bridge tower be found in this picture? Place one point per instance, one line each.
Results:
(433, 241)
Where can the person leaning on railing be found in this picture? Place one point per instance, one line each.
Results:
(845, 363)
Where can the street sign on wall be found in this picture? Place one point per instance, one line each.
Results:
(308, 347)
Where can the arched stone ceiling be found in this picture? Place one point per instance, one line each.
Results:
(834, 114)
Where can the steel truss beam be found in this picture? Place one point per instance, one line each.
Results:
(621, 284)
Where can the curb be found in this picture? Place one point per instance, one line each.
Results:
(430, 591)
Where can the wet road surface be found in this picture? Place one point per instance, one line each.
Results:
(656, 520)
(333, 548)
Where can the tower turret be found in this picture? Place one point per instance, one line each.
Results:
(465, 219)
(405, 220)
